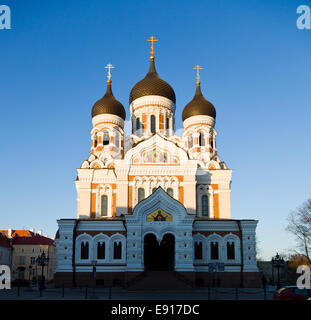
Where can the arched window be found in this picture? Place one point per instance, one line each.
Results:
(167, 125)
(117, 140)
(154, 189)
(170, 192)
(84, 250)
(104, 205)
(205, 211)
(198, 250)
(137, 123)
(105, 137)
(153, 124)
(201, 139)
(214, 251)
(230, 251)
(117, 250)
(211, 141)
(141, 194)
(101, 250)
(190, 141)
(95, 142)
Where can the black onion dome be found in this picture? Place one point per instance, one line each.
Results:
(198, 106)
(108, 104)
(152, 85)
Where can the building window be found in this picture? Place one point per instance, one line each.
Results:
(117, 140)
(95, 141)
(190, 141)
(167, 125)
(201, 139)
(212, 142)
(230, 251)
(214, 251)
(137, 124)
(117, 250)
(205, 212)
(32, 260)
(198, 250)
(22, 260)
(84, 250)
(141, 194)
(104, 206)
(105, 137)
(154, 189)
(170, 192)
(100, 250)
(153, 124)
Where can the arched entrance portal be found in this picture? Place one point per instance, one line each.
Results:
(159, 257)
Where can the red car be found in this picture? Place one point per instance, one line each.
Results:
(292, 293)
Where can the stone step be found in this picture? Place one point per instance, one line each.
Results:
(160, 280)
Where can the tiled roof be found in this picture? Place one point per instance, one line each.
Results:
(20, 233)
(34, 240)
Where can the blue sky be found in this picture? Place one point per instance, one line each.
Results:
(256, 72)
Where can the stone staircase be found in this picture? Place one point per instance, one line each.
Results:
(160, 280)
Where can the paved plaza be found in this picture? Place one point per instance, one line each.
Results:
(51, 293)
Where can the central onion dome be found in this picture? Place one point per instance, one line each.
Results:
(198, 106)
(108, 104)
(152, 85)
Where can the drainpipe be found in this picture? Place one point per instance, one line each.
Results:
(242, 256)
(74, 252)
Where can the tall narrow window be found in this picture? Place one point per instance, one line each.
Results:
(205, 211)
(230, 251)
(201, 139)
(117, 250)
(190, 141)
(104, 206)
(214, 251)
(117, 140)
(137, 123)
(95, 141)
(153, 124)
(154, 189)
(167, 125)
(84, 250)
(141, 194)
(101, 250)
(105, 137)
(170, 192)
(198, 250)
(211, 141)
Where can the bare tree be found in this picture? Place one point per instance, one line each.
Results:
(299, 224)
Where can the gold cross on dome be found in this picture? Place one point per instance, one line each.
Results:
(109, 67)
(152, 39)
(198, 68)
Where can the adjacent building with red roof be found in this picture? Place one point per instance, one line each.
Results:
(26, 246)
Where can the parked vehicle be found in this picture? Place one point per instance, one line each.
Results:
(292, 293)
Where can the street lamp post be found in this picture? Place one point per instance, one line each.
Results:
(42, 261)
(278, 262)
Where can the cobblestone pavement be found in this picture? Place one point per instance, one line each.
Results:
(122, 294)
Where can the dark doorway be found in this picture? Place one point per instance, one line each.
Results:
(159, 257)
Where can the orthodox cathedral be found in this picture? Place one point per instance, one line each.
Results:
(153, 205)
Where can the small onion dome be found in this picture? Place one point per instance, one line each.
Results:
(152, 85)
(108, 104)
(198, 106)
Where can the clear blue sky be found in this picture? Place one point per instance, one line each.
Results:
(256, 72)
